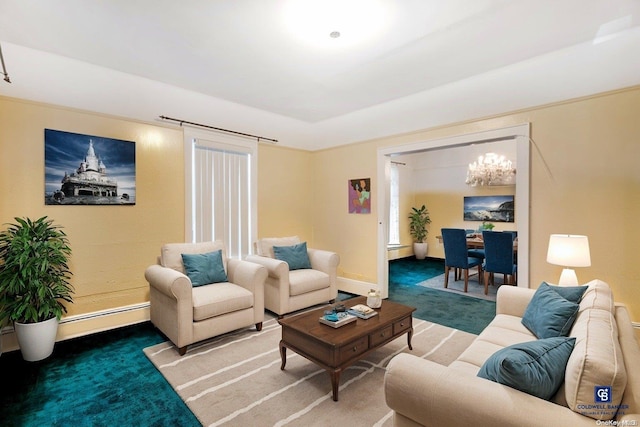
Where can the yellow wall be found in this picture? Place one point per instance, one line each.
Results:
(111, 245)
(285, 195)
(584, 180)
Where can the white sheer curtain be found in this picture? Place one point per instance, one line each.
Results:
(394, 208)
(222, 183)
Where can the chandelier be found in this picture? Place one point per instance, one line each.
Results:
(491, 169)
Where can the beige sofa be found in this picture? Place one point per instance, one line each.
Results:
(605, 353)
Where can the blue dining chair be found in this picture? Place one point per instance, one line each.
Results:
(499, 257)
(474, 252)
(456, 256)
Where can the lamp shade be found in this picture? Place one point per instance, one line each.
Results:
(569, 250)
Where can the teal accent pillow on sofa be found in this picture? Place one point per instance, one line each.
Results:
(571, 293)
(203, 269)
(549, 314)
(296, 256)
(534, 367)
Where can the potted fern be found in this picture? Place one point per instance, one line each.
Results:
(418, 220)
(34, 283)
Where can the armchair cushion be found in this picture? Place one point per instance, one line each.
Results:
(203, 269)
(219, 299)
(534, 367)
(264, 246)
(549, 314)
(296, 256)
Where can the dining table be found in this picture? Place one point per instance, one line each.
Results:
(475, 241)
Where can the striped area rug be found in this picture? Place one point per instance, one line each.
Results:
(235, 379)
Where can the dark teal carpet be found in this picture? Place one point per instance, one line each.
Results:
(455, 311)
(105, 379)
(98, 380)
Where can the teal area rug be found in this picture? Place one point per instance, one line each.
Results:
(449, 309)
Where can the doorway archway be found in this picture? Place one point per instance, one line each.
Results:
(518, 134)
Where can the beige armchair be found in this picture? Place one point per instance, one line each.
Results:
(288, 290)
(187, 314)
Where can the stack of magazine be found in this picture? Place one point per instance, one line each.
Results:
(362, 311)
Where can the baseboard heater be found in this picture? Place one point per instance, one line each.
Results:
(86, 324)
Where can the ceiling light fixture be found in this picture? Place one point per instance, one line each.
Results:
(4, 68)
(358, 21)
(491, 169)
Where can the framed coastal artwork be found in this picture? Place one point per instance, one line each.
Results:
(88, 170)
(360, 196)
(489, 208)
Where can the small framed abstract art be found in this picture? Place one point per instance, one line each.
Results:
(360, 196)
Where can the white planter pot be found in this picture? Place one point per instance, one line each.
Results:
(36, 340)
(420, 250)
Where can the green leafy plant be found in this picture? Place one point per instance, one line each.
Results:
(487, 226)
(418, 220)
(34, 274)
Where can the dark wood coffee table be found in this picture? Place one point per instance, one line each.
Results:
(336, 349)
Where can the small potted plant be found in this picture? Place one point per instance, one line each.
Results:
(34, 283)
(418, 220)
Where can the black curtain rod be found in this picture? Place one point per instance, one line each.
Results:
(181, 122)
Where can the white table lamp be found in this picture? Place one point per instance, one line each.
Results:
(569, 250)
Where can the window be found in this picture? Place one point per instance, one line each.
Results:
(221, 181)
(394, 208)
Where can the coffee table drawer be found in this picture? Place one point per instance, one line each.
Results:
(401, 325)
(353, 349)
(381, 335)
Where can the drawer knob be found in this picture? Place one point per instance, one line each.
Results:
(355, 348)
(401, 324)
(382, 334)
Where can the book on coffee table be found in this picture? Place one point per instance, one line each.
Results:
(362, 311)
(343, 321)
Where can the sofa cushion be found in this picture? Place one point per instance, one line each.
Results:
(264, 246)
(549, 314)
(598, 295)
(296, 255)
(203, 269)
(534, 367)
(596, 361)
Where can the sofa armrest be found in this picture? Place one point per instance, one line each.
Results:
(170, 282)
(249, 275)
(276, 268)
(324, 261)
(435, 395)
(513, 300)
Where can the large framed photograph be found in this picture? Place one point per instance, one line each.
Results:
(88, 170)
(489, 208)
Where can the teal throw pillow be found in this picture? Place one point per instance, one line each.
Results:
(571, 293)
(535, 367)
(204, 269)
(549, 314)
(296, 256)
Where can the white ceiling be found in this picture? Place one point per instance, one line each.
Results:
(246, 52)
